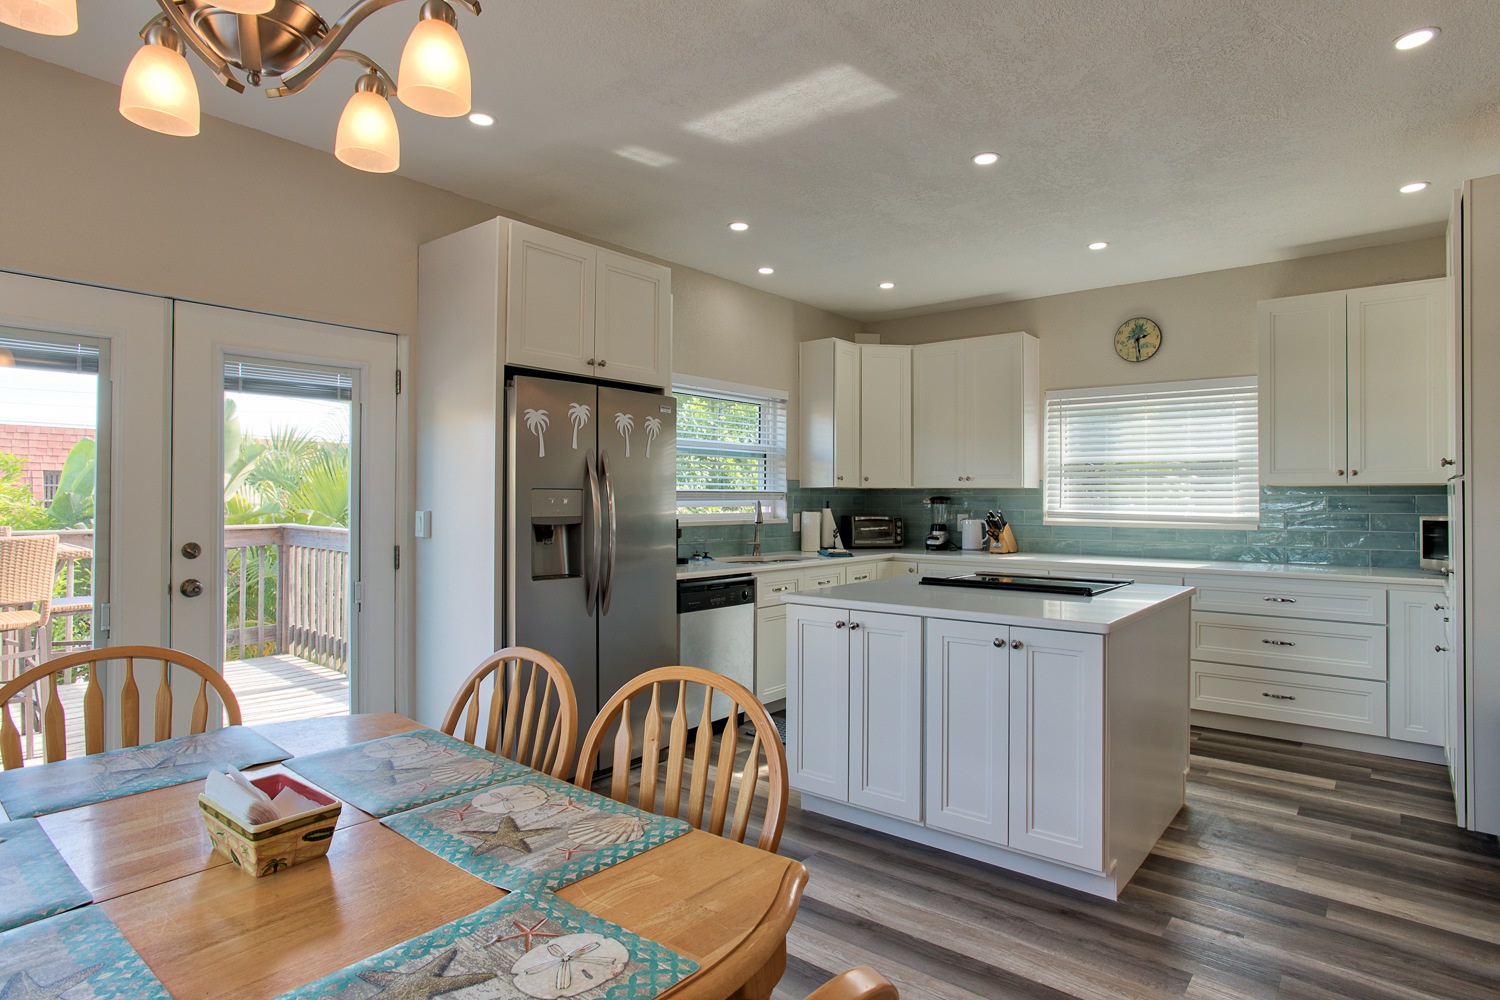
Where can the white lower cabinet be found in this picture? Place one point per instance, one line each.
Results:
(1419, 666)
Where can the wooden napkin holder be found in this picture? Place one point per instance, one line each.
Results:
(266, 848)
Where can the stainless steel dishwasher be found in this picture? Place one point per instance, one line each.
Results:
(716, 631)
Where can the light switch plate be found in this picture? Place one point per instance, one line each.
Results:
(423, 527)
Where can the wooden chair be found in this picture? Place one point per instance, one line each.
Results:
(532, 715)
(670, 690)
(54, 724)
(858, 983)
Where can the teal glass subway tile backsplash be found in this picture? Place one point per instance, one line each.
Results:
(1334, 526)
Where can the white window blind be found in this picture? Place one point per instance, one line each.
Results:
(1170, 453)
(731, 450)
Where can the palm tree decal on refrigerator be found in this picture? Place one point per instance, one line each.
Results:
(536, 423)
(578, 413)
(653, 428)
(625, 423)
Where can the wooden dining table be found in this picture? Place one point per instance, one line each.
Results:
(206, 929)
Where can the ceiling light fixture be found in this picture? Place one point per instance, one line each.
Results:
(1413, 39)
(767, 270)
(480, 118)
(1098, 245)
(1415, 186)
(244, 42)
(739, 227)
(985, 159)
(887, 285)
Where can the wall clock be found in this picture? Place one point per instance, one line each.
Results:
(1137, 339)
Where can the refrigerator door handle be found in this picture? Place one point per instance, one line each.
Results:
(591, 565)
(608, 570)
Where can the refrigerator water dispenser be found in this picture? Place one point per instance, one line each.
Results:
(556, 534)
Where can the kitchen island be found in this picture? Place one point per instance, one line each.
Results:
(1042, 733)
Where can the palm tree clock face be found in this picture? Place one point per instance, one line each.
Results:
(1137, 339)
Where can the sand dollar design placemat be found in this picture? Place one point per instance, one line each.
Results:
(74, 954)
(35, 881)
(523, 946)
(534, 832)
(79, 781)
(400, 772)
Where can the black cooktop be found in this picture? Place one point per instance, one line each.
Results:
(1078, 586)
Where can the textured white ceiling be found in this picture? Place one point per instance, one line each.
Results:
(1192, 135)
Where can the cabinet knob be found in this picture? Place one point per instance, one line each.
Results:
(1352, 472)
(1446, 461)
(839, 624)
(1438, 607)
(602, 362)
(867, 479)
(590, 361)
(1440, 649)
(1015, 644)
(841, 479)
(999, 643)
(1338, 472)
(853, 626)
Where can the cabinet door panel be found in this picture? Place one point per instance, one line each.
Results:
(770, 654)
(817, 702)
(885, 416)
(1001, 422)
(1418, 666)
(549, 309)
(1302, 391)
(967, 681)
(846, 429)
(632, 320)
(885, 724)
(1057, 745)
(1398, 389)
(937, 415)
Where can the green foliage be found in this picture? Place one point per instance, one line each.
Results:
(73, 505)
(18, 508)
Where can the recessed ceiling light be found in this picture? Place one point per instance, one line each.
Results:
(1098, 245)
(739, 227)
(1412, 39)
(768, 270)
(1414, 187)
(480, 118)
(985, 159)
(887, 285)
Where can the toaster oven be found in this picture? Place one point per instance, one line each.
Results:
(870, 531)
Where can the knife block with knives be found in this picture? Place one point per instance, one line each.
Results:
(1002, 539)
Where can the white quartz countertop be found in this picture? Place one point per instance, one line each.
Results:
(907, 596)
(964, 562)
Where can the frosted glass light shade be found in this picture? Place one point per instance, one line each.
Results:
(245, 6)
(159, 92)
(367, 138)
(44, 17)
(434, 73)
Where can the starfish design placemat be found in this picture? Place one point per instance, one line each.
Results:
(534, 832)
(75, 954)
(521, 946)
(35, 881)
(79, 781)
(401, 772)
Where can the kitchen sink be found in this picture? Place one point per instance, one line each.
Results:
(761, 559)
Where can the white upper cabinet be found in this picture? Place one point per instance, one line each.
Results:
(976, 413)
(580, 309)
(1354, 386)
(855, 402)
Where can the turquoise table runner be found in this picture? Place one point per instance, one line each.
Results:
(534, 832)
(79, 781)
(75, 954)
(521, 946)
(400, 772)
(35, 881)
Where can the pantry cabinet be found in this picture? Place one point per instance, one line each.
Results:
(856, 414)
(976, 413)
(583, 310)
(1354, 386)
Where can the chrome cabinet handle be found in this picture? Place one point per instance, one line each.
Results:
(1015, 644)
(853, 626)
(999, 643)
(1352, 472)
(1446, 461)
(1338, 472)
(1440, 649)
(589, 362)
(839, 624)
(1277, 642)
(1281, 600)
(602, 362)
(1278, 697)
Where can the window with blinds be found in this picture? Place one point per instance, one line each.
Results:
(731, 451)
(1170, 454)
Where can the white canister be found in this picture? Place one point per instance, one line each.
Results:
(812, 530)
(971, 534)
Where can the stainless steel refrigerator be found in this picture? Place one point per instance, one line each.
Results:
(590, 530)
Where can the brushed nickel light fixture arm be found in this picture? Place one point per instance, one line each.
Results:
(329, 45)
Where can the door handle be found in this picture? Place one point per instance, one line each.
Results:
(607, 571)
(591, 562)
(190, 588)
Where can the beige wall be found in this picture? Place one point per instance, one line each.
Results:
(1207, 320)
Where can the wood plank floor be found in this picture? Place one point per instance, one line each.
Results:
(1293, 872)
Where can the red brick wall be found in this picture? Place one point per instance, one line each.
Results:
(43, 448)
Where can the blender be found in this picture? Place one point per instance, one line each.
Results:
(937, 535)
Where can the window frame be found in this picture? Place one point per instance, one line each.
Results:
(774, 501)
(1137, 396)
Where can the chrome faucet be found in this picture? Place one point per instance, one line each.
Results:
(759, 520)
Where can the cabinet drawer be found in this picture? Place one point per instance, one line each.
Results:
(1338, 649)
(770, 586)
(896, 567)
(1354, 706)
(1344, 602)
(859, 574)
(815, 578)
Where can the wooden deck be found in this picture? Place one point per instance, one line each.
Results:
(269, 689)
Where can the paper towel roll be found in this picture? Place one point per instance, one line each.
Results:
(812, 530)
(829, 530)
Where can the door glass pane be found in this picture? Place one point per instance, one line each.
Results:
(50, 406)
(287, 517)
